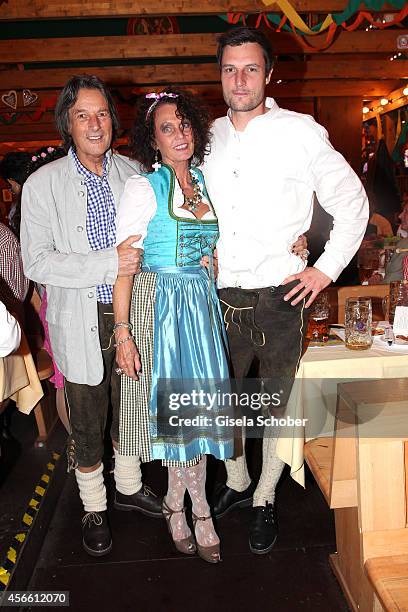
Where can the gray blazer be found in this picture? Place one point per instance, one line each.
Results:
(56, 253)
(394, 271)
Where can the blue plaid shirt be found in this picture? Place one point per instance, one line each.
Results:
(100, 217)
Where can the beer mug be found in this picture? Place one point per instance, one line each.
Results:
(318, 325)
(358, 323)
(398, 296)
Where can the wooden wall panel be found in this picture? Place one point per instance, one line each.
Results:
(342, 119)
(207, 72)
(45, 9)
(182, 45)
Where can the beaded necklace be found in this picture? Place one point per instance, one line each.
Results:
(194, 203)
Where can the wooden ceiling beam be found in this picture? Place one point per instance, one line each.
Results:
(199, 73)
(212, 93)
(180, 45)
(307, 89)
(60, 9)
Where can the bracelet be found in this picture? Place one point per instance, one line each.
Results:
(119, 342)
(122, 324)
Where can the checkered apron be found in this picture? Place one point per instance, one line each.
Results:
(134, 423)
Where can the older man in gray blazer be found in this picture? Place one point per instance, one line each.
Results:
(68, 235)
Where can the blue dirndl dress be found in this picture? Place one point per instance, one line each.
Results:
(180, 334)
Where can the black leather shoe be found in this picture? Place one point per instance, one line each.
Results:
(96, 534)
(144, 501)
(226, 499)
(263, 529)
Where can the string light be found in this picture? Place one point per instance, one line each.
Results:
(395, 100)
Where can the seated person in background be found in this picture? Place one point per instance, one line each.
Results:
(403, 233)
(13, 283)
(10, 332)
(383, 226)
(13, 169)
(394, 270)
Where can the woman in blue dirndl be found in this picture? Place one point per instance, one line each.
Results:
(168, 319)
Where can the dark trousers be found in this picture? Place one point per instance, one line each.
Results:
(261, 325)
(89, 405)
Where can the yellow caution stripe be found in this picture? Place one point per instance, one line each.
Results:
(15, 547)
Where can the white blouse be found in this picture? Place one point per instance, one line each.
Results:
(10, 333)
(138, 206)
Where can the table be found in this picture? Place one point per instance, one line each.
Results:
(19, 379)
(314, 393)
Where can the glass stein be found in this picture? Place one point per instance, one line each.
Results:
(318, 325)
(398, 296)
(358, 323)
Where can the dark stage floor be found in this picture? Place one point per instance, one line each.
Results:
(143, 571)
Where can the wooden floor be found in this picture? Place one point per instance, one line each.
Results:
(144, 572)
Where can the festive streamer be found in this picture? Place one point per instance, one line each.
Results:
(330, 23)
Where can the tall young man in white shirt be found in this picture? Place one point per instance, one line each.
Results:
(265, 165)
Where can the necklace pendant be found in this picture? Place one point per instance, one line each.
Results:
(194, 203)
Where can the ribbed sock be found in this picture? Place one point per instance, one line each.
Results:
(272, 468)
(92, 489)
(127, 473)
(237, 471)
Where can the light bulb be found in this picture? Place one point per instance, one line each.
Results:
(384, 101)
(365, 110)
(405, 91)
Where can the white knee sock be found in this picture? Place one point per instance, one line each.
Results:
(237, 471)
(92, 489)
(272, 468)
(127, 473)
(237, 474)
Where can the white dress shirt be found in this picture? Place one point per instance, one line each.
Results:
(138, 206)
(10, 333)
(261, 182)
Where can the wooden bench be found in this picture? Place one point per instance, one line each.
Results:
(389, 579)
(361, 472)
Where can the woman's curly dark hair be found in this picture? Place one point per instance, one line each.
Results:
(188, 107)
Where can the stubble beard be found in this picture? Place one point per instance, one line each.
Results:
(242, 106)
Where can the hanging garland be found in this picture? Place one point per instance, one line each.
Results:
(330, 23)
